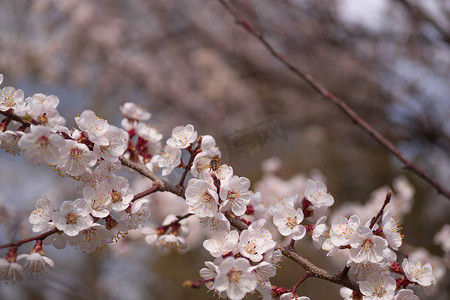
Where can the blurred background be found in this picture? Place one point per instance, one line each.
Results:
(188, 62)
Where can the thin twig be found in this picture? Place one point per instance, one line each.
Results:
(30, 239)
(388, 145)
(380, 213)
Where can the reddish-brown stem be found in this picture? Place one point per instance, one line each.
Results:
(154, 188)
(30, 239)
(196, 285)
(306, 276)
(380, 213)
(185, 216)
(383, 141)
(189, 164)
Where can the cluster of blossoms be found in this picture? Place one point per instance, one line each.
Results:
(244, 258)
(89, 154)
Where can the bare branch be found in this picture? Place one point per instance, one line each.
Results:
(30, 239)
(383, 141)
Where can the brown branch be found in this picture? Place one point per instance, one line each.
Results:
(155, 187)
(143, 170)
(30, 239)
(314, 271)
(189, 164)
(380, 213)
(388, 145)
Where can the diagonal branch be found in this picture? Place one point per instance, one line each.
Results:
(339, 278)
(143, 170)
(383, 141)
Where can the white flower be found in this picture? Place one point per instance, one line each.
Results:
(72, 217)
(170, 159)
(316, 193)
(361, 271)
(342, 229)
(264, 270)
(138, 213)
(75, 158)
(321, 232)
(182, 136)
(10, 271)
(443, 238)
(36, 264)
(282, 204)
(235, 193)
(288, 223)
(41, 144)
(9, 141)
(346, 293)
(151, 136)
(391, 230)
(92, 238)
(235, 277)
(132, 111)
(406, 294)
(118, 143)
(202, 161)
(378, 287)
(290, 296)
(99, 199)
(255, 241)
(47, 100)
(107, 170)
(366, 246)
(42, 214)
(209, 273)
(208, 144)
(121, 194)
(202, 198)
(45, 115)
(172, 241)
(415, 272)
(95, 127)
(58, 240)
(222, 243)
(216, 223)
(148, 132)
(10, 98)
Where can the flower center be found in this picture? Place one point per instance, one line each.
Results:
(43, 119)
(234, 275)
(291, 222)
(43, 141)
(71, 218)
(367, 244)
(207, 198)
(116, 197)
(379, 291)
(76, 153)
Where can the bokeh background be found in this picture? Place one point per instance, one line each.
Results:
(188, 62)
